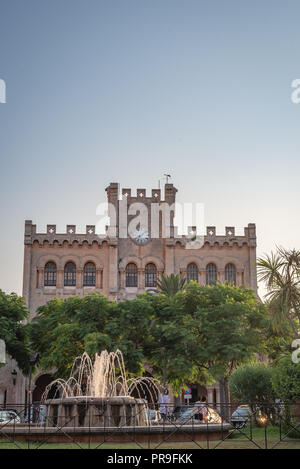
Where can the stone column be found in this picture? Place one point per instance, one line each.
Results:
(202, 277)
(210, 396)
(221, 275)
(60, 278)
(41, 277)
(79, 278)
(141, 278)
(98, 278)
(122, 278)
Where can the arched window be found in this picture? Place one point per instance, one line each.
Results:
(150, 275)
(89, 275)
(70, 275)
(230, 274)
(211, 274)
(192, 272)
(131, 275)
(50, 274)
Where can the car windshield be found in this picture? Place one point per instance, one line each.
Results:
(243, 410)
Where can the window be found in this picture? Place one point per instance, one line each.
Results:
(192, 272)
(211, 274)
(70, 275)
(150, 275)
(50, 274)
(89, 275)
(230, 274)
(131, 275)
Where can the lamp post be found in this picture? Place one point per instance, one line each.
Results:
(14, 376)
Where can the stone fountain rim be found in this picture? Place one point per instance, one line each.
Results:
(117, 400)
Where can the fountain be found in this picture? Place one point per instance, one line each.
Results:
(99, 404)
(100, 395)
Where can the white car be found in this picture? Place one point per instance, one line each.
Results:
(8, 417)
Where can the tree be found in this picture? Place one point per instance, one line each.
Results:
(286, 380)
(195, 335)
(13, 331)
(227, 323)
(64, 329)
(281, 273)
(169, 285)
(252, 384)
(167, 347)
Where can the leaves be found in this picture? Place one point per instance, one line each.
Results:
(195, 335)
(281, 273)
(13, 331)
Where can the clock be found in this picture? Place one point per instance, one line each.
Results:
(141, 236)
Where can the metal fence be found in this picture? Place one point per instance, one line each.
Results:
(257, 426)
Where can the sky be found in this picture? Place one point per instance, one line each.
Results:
(127, 90)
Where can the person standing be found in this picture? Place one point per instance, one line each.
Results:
(164, 405)
(202, 411)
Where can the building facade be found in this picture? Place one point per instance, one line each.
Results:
(140, 244)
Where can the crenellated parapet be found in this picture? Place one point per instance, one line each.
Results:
(211, 238)
(114, 194)
(70, 236)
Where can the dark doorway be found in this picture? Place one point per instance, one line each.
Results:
(40, 386)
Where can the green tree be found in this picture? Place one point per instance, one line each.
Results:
(196, 335)
(169, 285)
(13, 313)
(168, 344)
(63, 329)
(281, 273)
(286, 380)
(226, 323)
(252, 384)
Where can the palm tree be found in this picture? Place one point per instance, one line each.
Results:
(281, 273)
(169, 285)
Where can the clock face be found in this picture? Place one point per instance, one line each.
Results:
(141, 236)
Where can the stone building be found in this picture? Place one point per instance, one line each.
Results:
(140, 244)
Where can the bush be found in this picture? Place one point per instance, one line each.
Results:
(252, 383)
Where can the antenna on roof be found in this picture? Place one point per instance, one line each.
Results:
(167, 176)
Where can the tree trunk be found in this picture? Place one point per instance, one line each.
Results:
(224, 399)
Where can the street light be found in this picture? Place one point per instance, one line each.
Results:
(14, 376)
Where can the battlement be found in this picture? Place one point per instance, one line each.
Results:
(69, 235)
(211, 238)
(114, 194)
(90, 236)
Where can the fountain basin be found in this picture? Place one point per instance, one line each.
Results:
(86, 411)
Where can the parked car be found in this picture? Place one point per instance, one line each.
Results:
(186, 414)
(189, 414)
(240, 416)
(8, 417)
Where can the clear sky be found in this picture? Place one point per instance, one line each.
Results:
(125, 90)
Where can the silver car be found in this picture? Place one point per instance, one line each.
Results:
(240, 416)
(8, 417)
